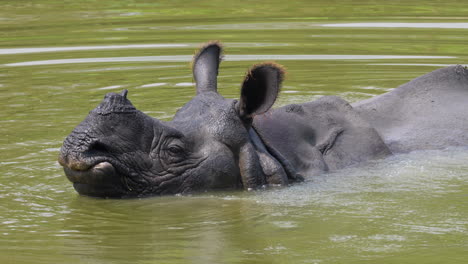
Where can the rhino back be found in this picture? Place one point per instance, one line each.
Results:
(428, 112)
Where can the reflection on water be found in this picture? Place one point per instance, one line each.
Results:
(120, 68)
(399, 25)
(11, 51)
(112, 87)
(152, 85)
(282, 25)
(187, 58)
(414, 64)
(185, 84)
(82, 48)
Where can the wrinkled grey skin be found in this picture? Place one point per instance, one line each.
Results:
(217, 143)
(326, 134)
(118, 151)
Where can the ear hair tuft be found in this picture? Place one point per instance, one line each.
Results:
(268, 64)
(205, 46)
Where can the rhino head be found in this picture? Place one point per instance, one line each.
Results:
(118, 151)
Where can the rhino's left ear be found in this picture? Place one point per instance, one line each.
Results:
(260, 89)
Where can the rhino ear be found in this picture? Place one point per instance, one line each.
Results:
(260, 89)
(205, 67)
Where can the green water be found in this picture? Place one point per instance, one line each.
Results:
(410, 208)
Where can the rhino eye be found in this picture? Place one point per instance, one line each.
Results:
(175, 150)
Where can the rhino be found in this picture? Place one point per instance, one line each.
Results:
(215, 143)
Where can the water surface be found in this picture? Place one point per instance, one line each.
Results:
(58, 60)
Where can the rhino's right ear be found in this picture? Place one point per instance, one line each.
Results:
(260, 89)
(205, 67)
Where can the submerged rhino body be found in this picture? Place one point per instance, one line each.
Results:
(218, 143)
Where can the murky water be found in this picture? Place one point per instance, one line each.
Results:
(58, 59)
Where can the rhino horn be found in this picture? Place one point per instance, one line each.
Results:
(115, 103)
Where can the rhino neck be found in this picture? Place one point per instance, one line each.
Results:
(262, 145)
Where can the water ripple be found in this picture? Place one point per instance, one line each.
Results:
(10, 51)
(399, 25)
(187, 58)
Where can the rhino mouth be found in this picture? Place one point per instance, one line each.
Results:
(98, 180)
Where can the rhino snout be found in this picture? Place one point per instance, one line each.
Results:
(97, 174)
(88, 166)
(93, 176)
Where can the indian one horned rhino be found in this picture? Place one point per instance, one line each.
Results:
(218, 143)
